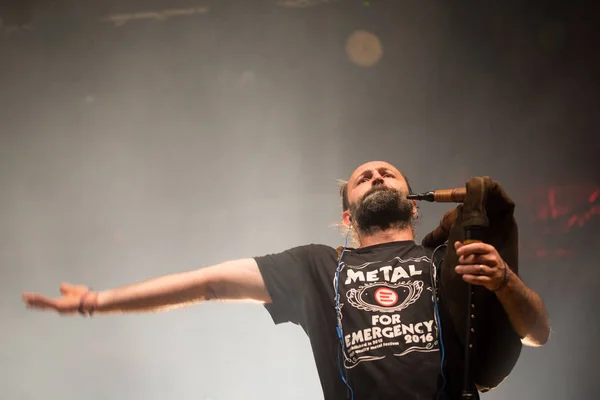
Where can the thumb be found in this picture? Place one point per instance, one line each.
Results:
(458, 245)
(65, 288)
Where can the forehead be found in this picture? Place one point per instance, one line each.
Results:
(373, 165)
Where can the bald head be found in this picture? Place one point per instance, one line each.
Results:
(368, 170)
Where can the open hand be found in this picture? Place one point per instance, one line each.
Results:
(68, 303)
(481, 264)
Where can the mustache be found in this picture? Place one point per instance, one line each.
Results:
(380, 188)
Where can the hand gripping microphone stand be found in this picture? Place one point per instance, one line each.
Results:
(472, 234)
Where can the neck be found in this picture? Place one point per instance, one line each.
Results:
(387, 236)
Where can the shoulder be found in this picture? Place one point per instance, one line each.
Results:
(321, 248)
(310, 251)
(291, 268)
(424, 249)
(314, 250)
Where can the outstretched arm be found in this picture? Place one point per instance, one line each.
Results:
(232, 280)
(480, 264)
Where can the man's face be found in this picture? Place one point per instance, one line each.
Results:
(377, 198)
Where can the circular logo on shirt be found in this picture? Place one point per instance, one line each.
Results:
(386, 297)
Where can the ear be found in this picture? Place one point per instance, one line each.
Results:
(415, 210)
(346, 218)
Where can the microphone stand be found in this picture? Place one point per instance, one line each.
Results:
(473, 234)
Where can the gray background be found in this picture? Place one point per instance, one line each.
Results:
(159, 146)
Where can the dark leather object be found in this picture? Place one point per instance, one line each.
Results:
(496, 345)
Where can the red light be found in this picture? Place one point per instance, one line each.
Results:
(556, 213)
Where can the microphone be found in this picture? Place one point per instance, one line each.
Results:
(441, 196)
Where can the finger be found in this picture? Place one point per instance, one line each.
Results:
(458, 245)
(474, 248)
(487, 259)
(27, 297)
(479, 280)
(478, 269)
(65, 288)
(35, 300)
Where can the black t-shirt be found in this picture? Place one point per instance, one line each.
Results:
(388, 316)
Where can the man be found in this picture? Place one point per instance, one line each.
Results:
(371, 314)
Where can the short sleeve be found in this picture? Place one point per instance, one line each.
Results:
(286, 275)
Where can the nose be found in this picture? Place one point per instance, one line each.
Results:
(377, 179)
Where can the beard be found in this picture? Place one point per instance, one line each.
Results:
(382, 208)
